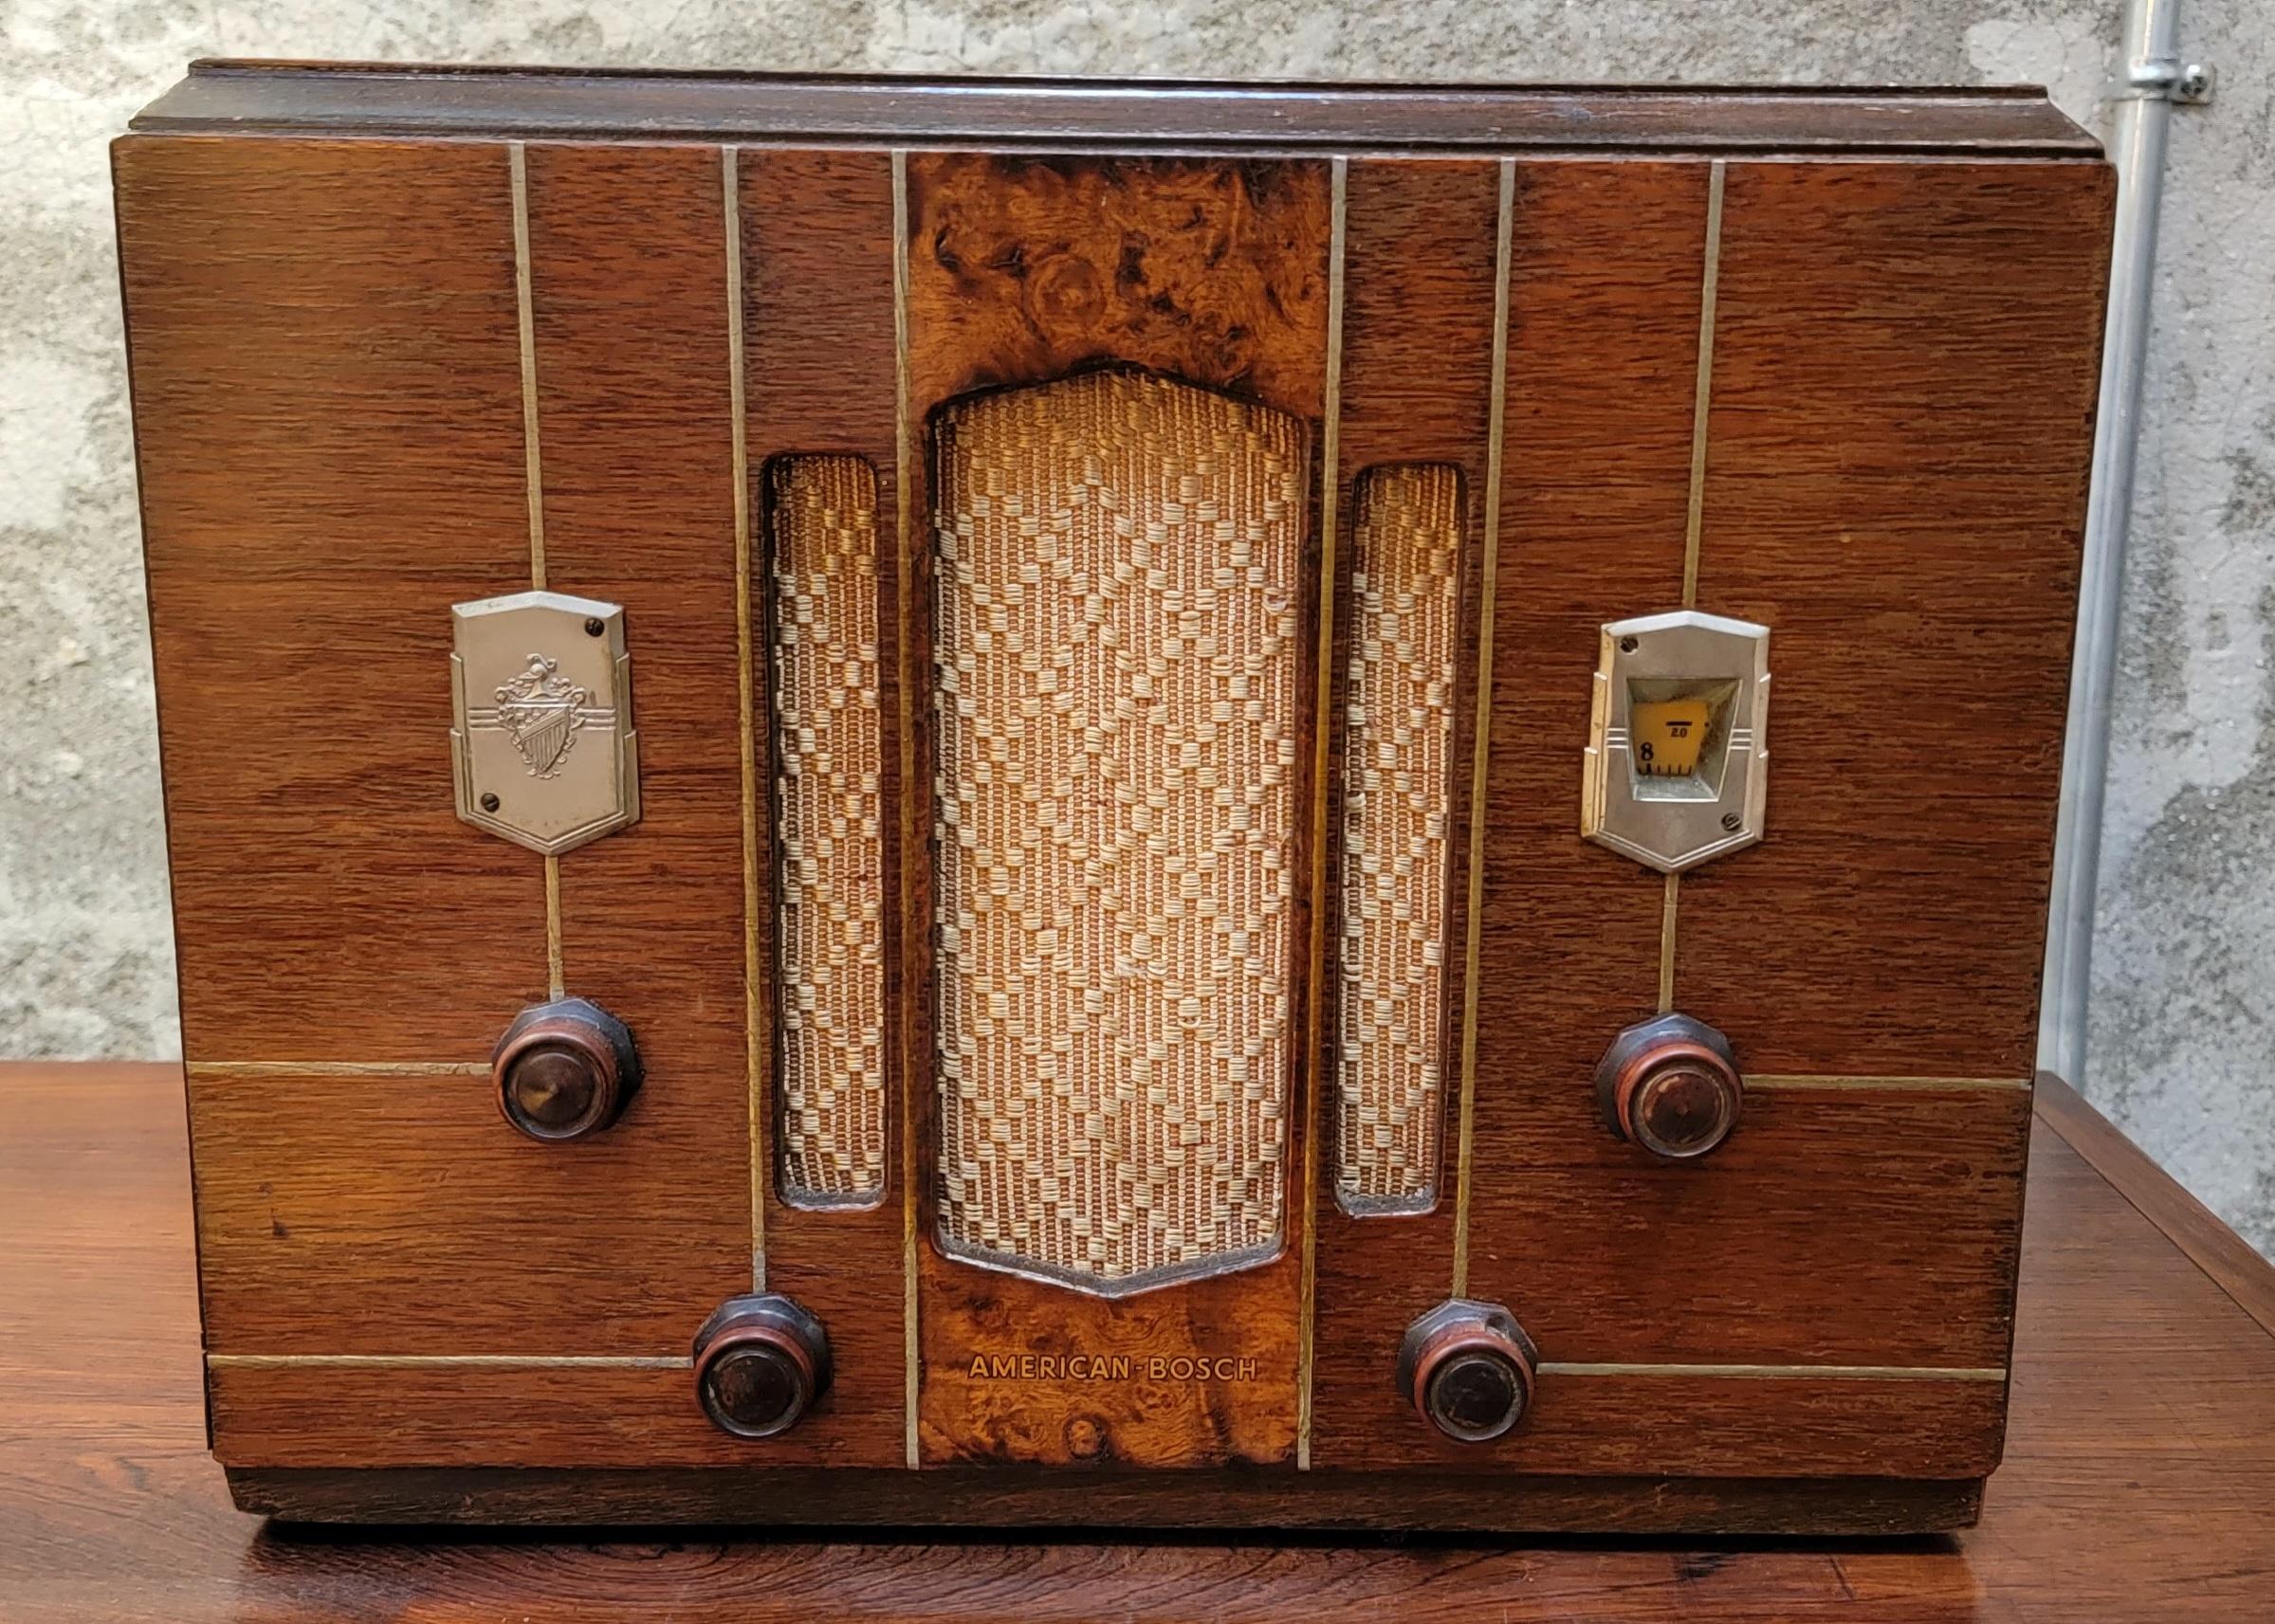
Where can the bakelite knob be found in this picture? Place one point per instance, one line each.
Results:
(1671, 1088)
(759, 1365)
(1468, 1368)
(565, 1070)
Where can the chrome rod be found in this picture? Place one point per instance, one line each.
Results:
(2152, 73)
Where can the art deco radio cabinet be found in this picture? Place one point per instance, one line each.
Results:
(1024, 801)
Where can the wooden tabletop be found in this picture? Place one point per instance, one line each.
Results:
(2138, 1483)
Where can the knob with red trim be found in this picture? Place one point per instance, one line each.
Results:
(760, 1363)
(1468, 1368)
(1671, 1088)
(565, 1070)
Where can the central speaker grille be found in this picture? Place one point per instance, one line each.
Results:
(1118, 672)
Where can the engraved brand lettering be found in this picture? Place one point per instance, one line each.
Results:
(1108, 1367)
(543, 711)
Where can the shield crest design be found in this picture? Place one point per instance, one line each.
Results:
(543, 749)
(541, 711)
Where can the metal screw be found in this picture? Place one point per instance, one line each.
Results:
(1731, 822)
(1629, 644)
(2194, 86)
(594, 627)
(490, 803)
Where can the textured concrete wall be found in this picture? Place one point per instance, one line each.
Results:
(2188, 960)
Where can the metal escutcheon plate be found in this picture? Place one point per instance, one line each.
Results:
(542, 742)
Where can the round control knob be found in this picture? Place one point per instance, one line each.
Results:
(759, 1365)
(1468, 1369)
(565, 1070)
(1671, 1088)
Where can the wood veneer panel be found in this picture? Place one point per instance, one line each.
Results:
(306, 1415)
(1018, 271)
(820, 377)
(329, 429)
(2147, 1494)
(628, 278)
(1055, 1578)
(1420, 242)
(1918, 566)
(612, 1416)
(1603, 344)
(1029, 109)
(372, 1215)
(1845, 1227)
(1022, 269)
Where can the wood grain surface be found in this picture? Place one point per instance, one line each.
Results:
(1020, 270)
(328, 418)
(362, 1214)
(1897, 459)
(1419, 249)
(628, 295)
(330, 415)
(312, 97)
(2138, 1478)
(820, 373)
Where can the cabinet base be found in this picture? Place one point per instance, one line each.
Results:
(994, 1498)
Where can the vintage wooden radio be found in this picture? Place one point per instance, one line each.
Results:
(1025, 801)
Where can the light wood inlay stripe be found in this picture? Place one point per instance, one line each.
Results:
(1709, 279)
(1918, 1084)
(1670, 900)
(1702, 393)
(525, 310)
(1481, 746)
(682, 1362)
(754, 1036)
(455, 1361)
(912, 682)
(1330, 494)
(1797, 1083)
(1789, 1372)
(517, 162)
(220, 1070)
(554, 979)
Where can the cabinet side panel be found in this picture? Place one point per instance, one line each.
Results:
(817, 338)
(1421, 244)
(328, 418)
(629, 311)
(1899, 441)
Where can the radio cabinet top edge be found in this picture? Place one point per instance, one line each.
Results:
(822, 109)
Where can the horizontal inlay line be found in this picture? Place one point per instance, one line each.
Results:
(1916, 1083)
(481, 1068)
(1788, 1371)
(340, 1067)
(481, 1361)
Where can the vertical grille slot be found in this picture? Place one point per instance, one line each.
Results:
(829, 749)
(1399, 693)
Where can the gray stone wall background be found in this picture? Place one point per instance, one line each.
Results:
(2185, 974)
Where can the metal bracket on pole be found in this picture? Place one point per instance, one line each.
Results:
(2166, 78)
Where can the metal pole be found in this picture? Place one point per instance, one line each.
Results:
(2152, 78)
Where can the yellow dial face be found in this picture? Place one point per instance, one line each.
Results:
(1666, 735)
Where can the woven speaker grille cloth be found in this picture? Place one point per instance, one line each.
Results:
(1399, 680)
(828, 749)
(1118, 668)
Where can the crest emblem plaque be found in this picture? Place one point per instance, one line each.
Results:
(541, 744)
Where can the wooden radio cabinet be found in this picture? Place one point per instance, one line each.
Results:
(1033, 801)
